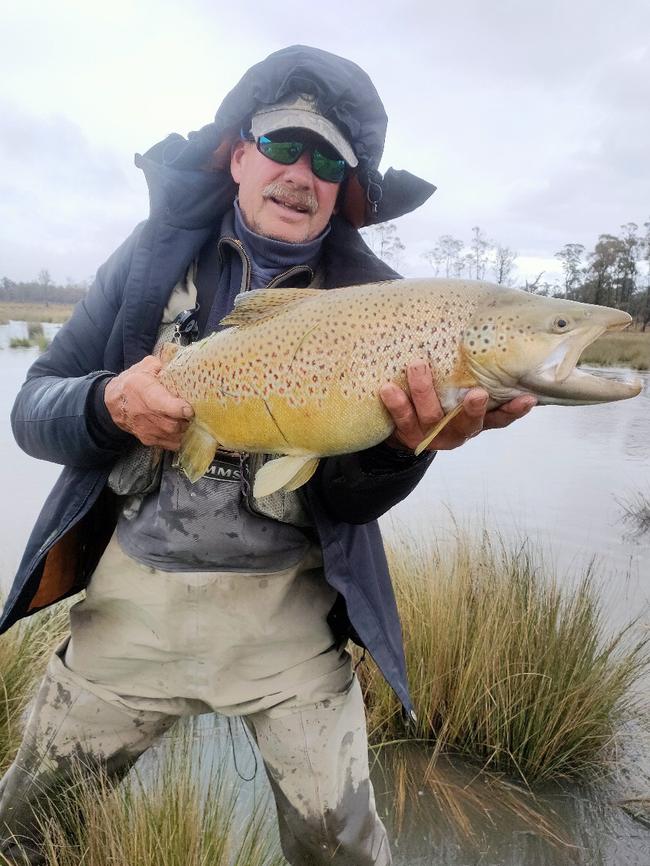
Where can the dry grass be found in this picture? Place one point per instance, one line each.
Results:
(505, 666)
(183, 813)
(24, 653)
(627, 349)
(22, 312)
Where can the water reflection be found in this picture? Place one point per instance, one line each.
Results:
(13, 331)
(451, 814)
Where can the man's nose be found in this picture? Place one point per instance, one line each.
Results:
(300, 171)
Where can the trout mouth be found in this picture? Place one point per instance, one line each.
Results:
(560, 381)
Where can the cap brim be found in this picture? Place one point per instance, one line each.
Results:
(295, 118)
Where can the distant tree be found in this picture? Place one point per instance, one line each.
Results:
(44, 281)
(504, 263)
(465, 264)
(434, 258)
(537, 287)
(630, 253)
(602, 285)
(7, 289)
(479, 249)
(571, 257)
(447, 252)
(642, 298)
(386, 243)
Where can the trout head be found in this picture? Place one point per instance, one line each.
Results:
(520, 343)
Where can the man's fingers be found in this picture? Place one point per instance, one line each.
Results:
(168, 443)
(475, 403)
(397, 403)
(469, 422)
(149, 364)
(401, 411)
(158, 399)
(509, 412)
(167, 426)
(423, 394)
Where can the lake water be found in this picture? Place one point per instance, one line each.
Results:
(560, 477)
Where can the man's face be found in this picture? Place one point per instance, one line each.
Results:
(285, 202)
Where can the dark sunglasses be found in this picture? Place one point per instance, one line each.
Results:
(326, 164)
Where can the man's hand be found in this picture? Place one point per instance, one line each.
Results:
(139, 404)
(414, 417)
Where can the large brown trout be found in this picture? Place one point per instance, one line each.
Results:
(298, 371)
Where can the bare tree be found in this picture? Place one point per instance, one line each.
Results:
(479, 247)
(386, 243)
(504, 262)
(44, 280)
(536, 288)
(450, 249)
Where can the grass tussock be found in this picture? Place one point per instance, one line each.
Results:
(40, 341)
(24, 653)
(626, 349)
(181, 813)
(24, 312)
(636, 513)
(505, 666)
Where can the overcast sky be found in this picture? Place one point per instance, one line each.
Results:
(531, 116)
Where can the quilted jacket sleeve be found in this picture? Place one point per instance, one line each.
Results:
(55, 413)
(360, 487)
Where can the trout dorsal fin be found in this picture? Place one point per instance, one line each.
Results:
(260, 304)
(167, 351)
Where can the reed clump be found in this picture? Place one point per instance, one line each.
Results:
(505, 666)
(24, 652)
(636, 512)
(181, 811)
(627, 349)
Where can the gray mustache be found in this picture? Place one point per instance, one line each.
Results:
(290, 196)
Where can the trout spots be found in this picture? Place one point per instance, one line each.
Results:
(479, 339)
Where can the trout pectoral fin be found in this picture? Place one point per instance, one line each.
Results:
(286, 473)
(196, 451)
(439, 426)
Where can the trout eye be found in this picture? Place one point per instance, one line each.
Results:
(560, 324)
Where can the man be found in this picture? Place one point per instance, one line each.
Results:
(205, 599)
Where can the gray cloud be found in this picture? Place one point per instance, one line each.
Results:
(64, 203)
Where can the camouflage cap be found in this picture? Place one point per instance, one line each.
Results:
(301, 112)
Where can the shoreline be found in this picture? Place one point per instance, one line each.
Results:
(625, 349)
